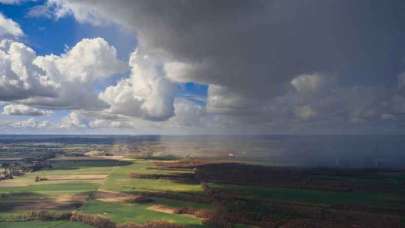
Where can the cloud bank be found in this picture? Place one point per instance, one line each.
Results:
(23, 110)
(270, 66)
(55, 82)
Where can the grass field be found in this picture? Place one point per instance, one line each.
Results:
(136, 213)
(388, 200)
(54, 188)
(24, 189)
(120, 180)
(37, 224)
(110, 188)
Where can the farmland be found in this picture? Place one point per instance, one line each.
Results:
(82, 189)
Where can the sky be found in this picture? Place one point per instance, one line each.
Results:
(202, 67)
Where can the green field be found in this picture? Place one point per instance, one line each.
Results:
(167, 191)
(136, 213)
(388, 200)
(37, 224)
(118, 180)
(27, 182)
(56, 188)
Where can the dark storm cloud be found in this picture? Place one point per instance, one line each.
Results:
(271, 40)
(250, 51)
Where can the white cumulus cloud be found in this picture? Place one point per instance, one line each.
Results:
(19, 77)
(31, 123)
(73, 120)
(147, 94)
(310, 83)
(9, 27)
(19, 109)
(57, 81)
(88, 62)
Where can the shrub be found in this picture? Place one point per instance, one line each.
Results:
(53, 215)
(141, 199)
(93, 220)
(200, 213)
(159, 224)
(38, 179)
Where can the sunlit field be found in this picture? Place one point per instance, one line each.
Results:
(92, 190)
(100, 187)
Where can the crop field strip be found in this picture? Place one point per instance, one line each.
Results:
(187, 192)
(122, 212)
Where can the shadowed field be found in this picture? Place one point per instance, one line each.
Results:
(200, 193)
